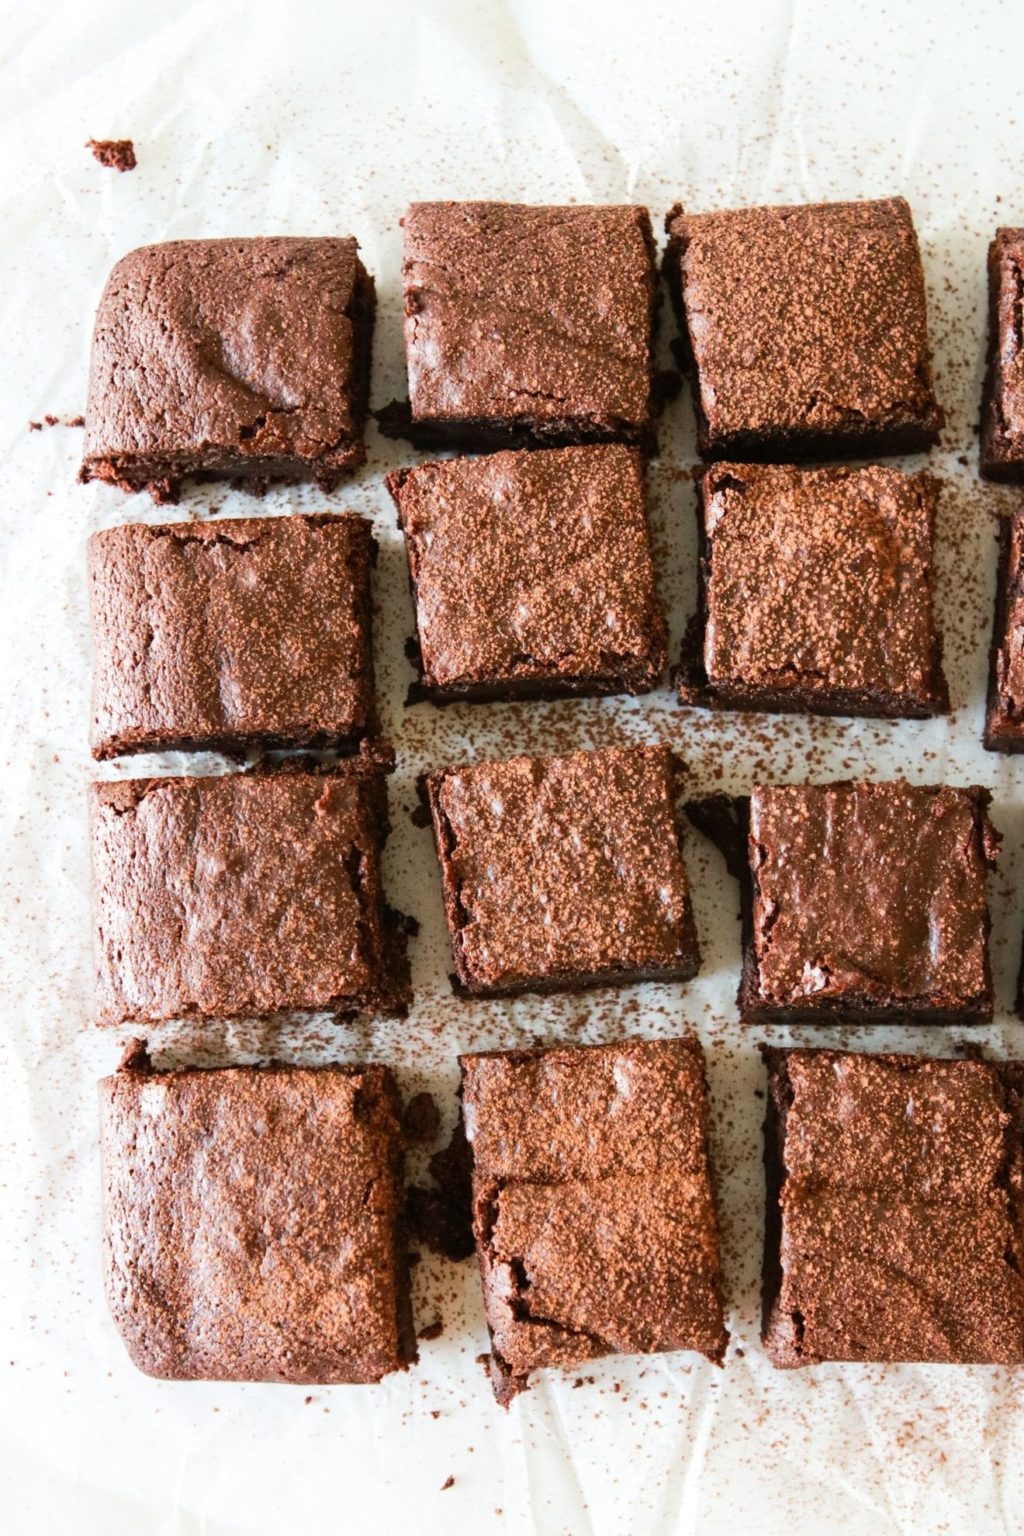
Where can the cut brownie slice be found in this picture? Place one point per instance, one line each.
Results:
(894, 1226)
(564, 872)
(861, 901)
(593, 1209)
(230, 357)
(1004, 714)
(253, 1222)
(231, 635)
(806, 329)
(529, 325)
(245, 895)
(816, 593)
(532, 574)
(1002, 410)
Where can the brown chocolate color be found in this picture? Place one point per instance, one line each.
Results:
(253, 1222)
(1002, 409)
(817, 593)
(563, 872)
(806, 330)
(1004, 713)
(115, 154)
(529, 325)
(230, 357)
(245, 895)
(230, 635)
(532, 574)
(895, 1222)
(593, 1207)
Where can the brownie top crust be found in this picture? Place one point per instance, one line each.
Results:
(871, 890)
(808, 320)
(215, 354)
(1003, 423)
(819, 579)
(252, 1222)
(540, 314)
(532, 565)
(564, 866)
(230, 633)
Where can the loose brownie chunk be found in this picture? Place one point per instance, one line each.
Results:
(593, 1209)
(230, 357)
(806, 329)
(532, 574)
(563, 872)
(253, 1224)
(232, 634)
(244, 895)
(529, 325)
(817, 591)
(1002, 411)
(894, 1220)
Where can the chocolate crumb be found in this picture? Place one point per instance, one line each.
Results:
(432, 1330)
(115, 154)
(449, 1482)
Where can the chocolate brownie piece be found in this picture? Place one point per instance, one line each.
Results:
(232, 634)
(532, 574)
(529, 325)
(1004, 713)
(249, 894)
(806, 330)
(895, 1224)
(816, 593)
(253, 1222)
(230, 357)
(115, 154)
(1002, 410)
(593, 1209)
(861, 901)
(563, 872)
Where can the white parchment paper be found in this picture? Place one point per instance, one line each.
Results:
(329, 118)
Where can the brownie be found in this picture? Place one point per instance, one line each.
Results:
(229, 635)
(532, 574)
(115, 154)
(526, 326)
(816, 593)
(230, 357)
(244, 895)
(253, 1222)
(805, 329)
(861, 901)
(593, 1208)
(563, 872)
(1002, 410)
(1004, 712)
(894, 1218)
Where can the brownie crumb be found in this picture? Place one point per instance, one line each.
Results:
(115, 154)
(35, 426)
(421, 1119)
(75, 421)
(449, 1482)
(432, 1330)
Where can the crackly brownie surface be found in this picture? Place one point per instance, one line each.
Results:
(869, 900)
(593, 1210)
(894, 1228)
(241, 895)
(806, 328)
(1004, 718)
(1002, 415)
(532, 573)
(564, 871)
(231, 634)
(817, 592)
(253, 1222)
(230, 357)
(530, 323)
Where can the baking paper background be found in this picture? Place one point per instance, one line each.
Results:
(327, 119)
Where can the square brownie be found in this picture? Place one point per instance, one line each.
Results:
(230, 357)
(894, 1220)
(253, 1222)
(806, 330)
(860, 901)
(231, 635)
(532, 574)
(563, 872)
(1004, 711)
(527, 326)
(593, 1209)
(245, 895)
(816, 593)
(1002, 410)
